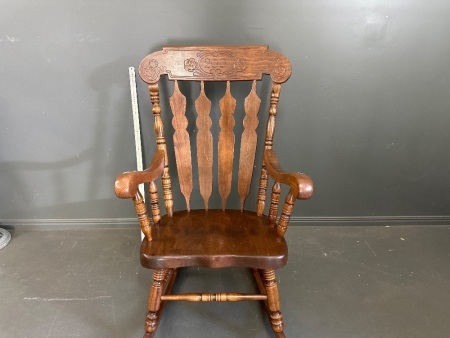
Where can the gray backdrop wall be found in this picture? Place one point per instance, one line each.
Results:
(368, 103)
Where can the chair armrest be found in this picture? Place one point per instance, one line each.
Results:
(301, 184)
(126, 185)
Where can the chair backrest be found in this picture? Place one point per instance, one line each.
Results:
(214, 63)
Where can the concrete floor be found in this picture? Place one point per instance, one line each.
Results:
(339, 282)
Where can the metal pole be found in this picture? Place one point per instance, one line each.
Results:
(137, 129)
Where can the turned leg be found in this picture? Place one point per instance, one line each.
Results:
(273, 300)
(154, 301)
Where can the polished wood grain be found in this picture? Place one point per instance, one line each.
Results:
(262, 191)
(273, 110)
(226, 144)
(257, 274)
(126, 184)
(214, 297)
(215, 63)
(268, 142)
(181, 143)
(154, 300)
(273, 299)
(142, 215)
(248, 143)
(286, 213)
(154, 205)
(153, 318)
(274, 200)
(158, 127)
(301, 185)
(204, 145)
(214, 238)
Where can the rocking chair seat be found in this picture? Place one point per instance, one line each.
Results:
(214, 239)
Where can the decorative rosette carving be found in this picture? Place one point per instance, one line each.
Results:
(151, 70)
(279, 69)
(190, 64)
(239, 65)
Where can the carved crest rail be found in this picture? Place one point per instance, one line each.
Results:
(215, 64)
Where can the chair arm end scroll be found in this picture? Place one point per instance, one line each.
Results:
(301, 185)
(126, 185)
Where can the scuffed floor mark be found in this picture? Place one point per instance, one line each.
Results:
(368, 245)
(9, 39)
(51, 326)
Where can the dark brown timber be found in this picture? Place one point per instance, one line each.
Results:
(207, 237)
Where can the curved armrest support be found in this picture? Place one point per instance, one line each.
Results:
(126, 185)
(301, 184)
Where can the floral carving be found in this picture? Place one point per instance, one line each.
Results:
(152, 70)
(279, 69)
(190, 64)
(239, 65)
(215, 64)
(152, 63)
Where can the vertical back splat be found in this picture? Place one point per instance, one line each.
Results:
(161, 144)
(226, 144)
(204, 144)
(248, 143)
(181, 143)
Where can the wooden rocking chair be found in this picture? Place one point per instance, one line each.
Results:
(209, 237)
